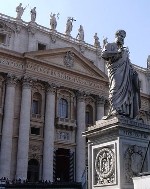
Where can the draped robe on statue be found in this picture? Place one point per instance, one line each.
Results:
(124, 89)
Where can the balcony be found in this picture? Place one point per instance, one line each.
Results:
(65, 123)
(37, 118)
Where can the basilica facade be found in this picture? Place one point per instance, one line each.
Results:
(52, 87)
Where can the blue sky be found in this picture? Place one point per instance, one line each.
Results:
(102, 16)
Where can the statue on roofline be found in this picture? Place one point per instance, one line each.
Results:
(96, 42)
(80, 35)
(69, 26)
(20, 11)
(53, 21)
(124, 87)
(33, 14)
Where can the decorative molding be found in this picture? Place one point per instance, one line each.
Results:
(63, 135)
(53, 37)
(81, 96)
(32, 30)
(65, 76)
(51, 88)
(81, 48)
(27, 82)
(12, 64)
(100, 100)
(11, 80)
(6, 28)
(35, 156)
(34, 148)
(89, 100)
(18, 28)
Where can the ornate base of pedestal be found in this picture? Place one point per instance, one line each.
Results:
(116, 150)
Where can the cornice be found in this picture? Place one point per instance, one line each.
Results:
(11, 53)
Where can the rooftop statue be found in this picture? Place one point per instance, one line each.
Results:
(69, 26)
(20, 11)
(53, 21)
(148, 62)
(33, 14)
(80, 35)
(96, 42)
(105, 41)
(124, 89)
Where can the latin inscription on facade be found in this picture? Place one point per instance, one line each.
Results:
(65, 76)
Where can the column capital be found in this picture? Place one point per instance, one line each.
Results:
(81, 95)
(27, 82)
(100, 100)
(51, 88)
(11, 80)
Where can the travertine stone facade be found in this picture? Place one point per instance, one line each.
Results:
(52, 87)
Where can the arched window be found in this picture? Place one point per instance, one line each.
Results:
(89, 115)
(63, 108)
(36, 103)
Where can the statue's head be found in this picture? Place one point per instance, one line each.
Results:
(119, 37)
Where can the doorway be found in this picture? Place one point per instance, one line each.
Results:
(33, 170)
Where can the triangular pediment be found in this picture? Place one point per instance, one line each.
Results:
(69, 59)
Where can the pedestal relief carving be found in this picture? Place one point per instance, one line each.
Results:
(133, 159)
(104, 165)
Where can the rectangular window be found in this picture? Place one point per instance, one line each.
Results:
(41, 46)
(35, 131)
(2, 38)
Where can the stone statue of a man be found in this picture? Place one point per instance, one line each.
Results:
(53, 21)
(124, 89)
(80, 35)
(69, 26)
(96, 42)
(33, 14)
(20, 11)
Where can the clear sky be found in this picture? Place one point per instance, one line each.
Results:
(102, 16)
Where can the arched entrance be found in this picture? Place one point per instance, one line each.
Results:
(33, 170)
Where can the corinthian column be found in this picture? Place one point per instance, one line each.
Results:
(100, 107)
(49, 134)
(7, 131)
(24, 127)
(80, 141)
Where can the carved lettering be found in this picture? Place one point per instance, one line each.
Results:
(64, 76)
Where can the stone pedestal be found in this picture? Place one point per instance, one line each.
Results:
(142, 181)
(116, 151)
